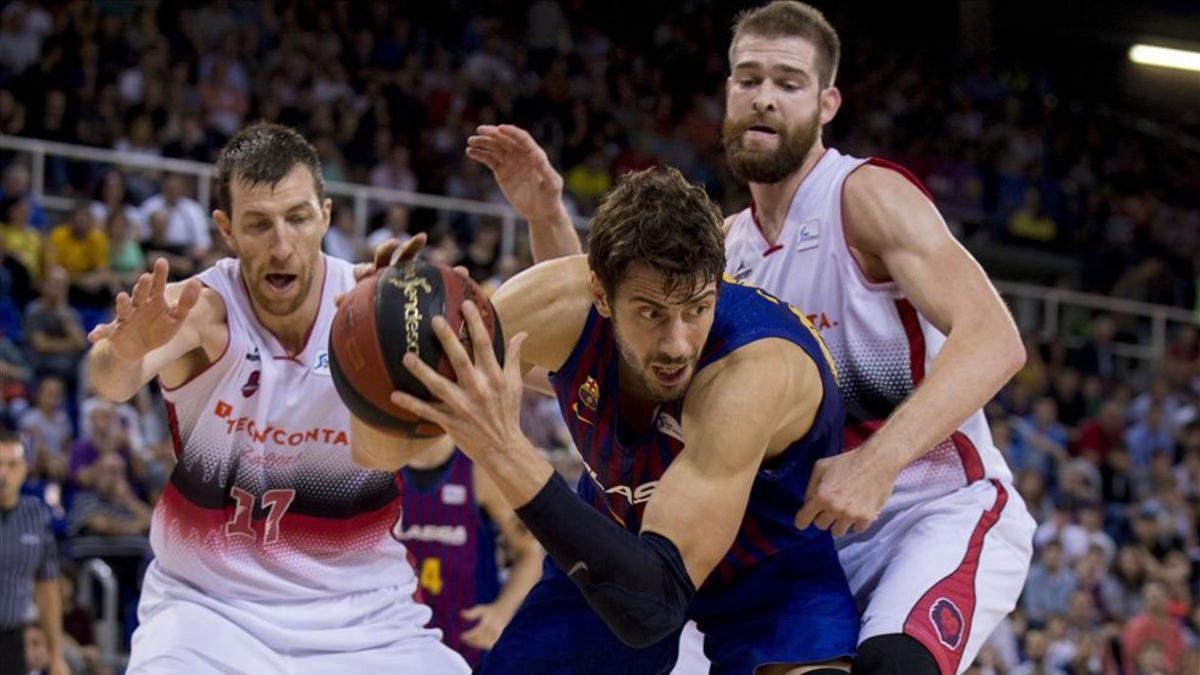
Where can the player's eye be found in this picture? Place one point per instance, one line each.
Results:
(789, 86)
(649, 314)
(700, 310)
(298, 218)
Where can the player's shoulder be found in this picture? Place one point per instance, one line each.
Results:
(769, 368)
(884, 206)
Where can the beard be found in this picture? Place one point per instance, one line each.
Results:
(644, 374)
(275, 306)
(768, 166)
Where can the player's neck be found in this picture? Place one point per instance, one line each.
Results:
(435, 456)
(292, 330)
(773, 200)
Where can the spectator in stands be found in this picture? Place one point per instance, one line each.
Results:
(340, 240)
(1039, 441)
(186, 226)
(395, 173)
(1049, 586)
(1030, 223)
(192, 141)
(15, 183)
(1034, 662)
(481, 254)
(54, 331)
(47, 431)
(21, 240)
(1098, 356)
(113, 197)
(1068, 393)
(589, 180)
(225, 104)
(156, 245)
(111, 507)
(1100, 434)
(1151, 436)
(395, 226)
(14, 381)
(1153, 625)
(107, 437)
(81, 248)
(125, 258)
(28, 565)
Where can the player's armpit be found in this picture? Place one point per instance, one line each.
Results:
(767, 394)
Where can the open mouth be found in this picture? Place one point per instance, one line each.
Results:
(761, 131)
(280, 282)
(669, 375)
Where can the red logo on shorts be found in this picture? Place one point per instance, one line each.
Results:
(948, 621)
(251, 385)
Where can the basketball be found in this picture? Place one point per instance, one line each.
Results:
(388, 315)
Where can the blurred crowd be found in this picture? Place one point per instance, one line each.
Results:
(1107, 455)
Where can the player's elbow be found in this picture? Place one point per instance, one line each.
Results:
(647, 629)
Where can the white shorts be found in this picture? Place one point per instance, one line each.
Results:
(692, 660)
(183, 630)
(944, 571)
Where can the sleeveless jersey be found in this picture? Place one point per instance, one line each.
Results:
(620, 478)
(454, 546)
(881, 344)
(265, 502)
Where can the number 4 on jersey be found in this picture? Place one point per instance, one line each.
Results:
(274, 502)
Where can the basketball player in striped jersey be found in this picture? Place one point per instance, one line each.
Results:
(274, 552)
(934, 539)
(452, 514)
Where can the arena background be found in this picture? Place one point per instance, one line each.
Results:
(1071, 172)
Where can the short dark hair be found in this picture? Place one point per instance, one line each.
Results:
(789, 18)
(262, 154)
(657, 218)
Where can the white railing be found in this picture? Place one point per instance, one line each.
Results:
(361, 195)
(1038, 309)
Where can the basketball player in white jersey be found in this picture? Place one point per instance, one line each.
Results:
(274, 552)
(935, 540)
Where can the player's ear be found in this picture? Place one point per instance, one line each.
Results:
(225, 227)
(830, 101)
(326, 215)
(600, 297)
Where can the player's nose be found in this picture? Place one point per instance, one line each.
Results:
(674, 342)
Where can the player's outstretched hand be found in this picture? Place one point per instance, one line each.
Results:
(492, 620)
(481, 410)
(144, 319)
(846, 492)
(521, 168)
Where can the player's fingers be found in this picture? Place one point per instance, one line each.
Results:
(806, 515)
(422, 409)
(473, 613)
(512, 357)
(435, 382)
(861, 526)
(484, 158)
(124, 305)
(481, 341)
(842, 526)
(814, 482)
(474, 638)
(140, 293)
(99, 332)
(187, 299)
(338, 297)
(361, 271)
(519, 138)
(159, 281)
(409, 249)
(462, 271)
(382, 256)
(825, 519)
(455, 353)
(487, 143)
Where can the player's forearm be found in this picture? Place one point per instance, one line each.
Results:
(553, 236)
(114, 378)
(49, 604)
(519, 471)
(526, 571)
(975, 362)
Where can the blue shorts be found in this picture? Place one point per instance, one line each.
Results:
(794, 607)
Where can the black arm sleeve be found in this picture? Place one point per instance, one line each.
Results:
(636, 583)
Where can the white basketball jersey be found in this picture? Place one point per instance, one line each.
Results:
(882, 346)
(265, 502)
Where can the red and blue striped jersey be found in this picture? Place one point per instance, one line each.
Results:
(453, 544)
(620, 477)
